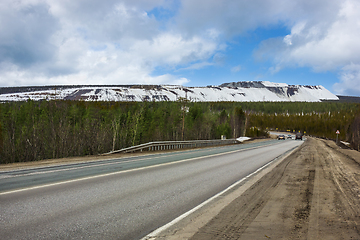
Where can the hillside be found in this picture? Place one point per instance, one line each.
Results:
(246, 91)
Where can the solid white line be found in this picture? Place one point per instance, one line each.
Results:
(82, 167)
(156, 232)
(126, 171)
(181, 217)
(155, 156)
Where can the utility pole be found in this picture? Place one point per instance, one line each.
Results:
(183, 126)
(183, 116)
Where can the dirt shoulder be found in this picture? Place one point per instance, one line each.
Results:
(312, 194)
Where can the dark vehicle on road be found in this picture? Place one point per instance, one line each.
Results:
(281, 137)
(298, 136)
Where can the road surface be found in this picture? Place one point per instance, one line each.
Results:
(314, 193)
(123, 198)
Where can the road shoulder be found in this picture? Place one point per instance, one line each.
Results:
(311, 194)
(191, 224)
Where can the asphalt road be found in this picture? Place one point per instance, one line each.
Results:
(122, 198)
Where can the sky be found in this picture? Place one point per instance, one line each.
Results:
(180, 42)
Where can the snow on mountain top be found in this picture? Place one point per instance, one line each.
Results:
(271, 84)
(245, 91)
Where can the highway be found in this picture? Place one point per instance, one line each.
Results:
(123, 198)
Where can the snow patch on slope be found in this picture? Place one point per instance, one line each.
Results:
(247, 91)
(271, 84)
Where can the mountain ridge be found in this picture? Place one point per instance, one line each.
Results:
(256, 91)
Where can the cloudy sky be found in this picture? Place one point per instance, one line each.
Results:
(187, 42)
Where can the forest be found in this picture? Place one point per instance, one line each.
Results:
(36, 130)
(31, 131)
(316, 119)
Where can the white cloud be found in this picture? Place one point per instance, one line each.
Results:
(25, 33)
(173, 49)
(82, 42)
(287, 40)
(295, 31)
(197, 66)
(349, 80)
(325, 44)
(122, 41)
(236, 69)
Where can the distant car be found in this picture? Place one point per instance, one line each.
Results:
(298, 136)
(289, 136)
(281, 137)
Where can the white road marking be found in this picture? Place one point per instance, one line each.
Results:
(75, 168)
(156, 232)
(81, 167)
(125, 171)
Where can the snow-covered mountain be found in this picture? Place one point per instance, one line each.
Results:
(245, 91)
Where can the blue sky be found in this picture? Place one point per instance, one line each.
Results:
(182, 42)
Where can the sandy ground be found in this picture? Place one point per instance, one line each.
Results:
(314, 193)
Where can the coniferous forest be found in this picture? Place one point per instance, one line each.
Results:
(33, 130)
(316, 119)
(36, 130)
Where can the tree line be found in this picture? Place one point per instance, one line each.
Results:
(355, 133)
(35, 130)
(298, 107)
(322, 125)
(320, 119)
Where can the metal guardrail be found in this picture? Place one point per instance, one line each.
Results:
(170, 145)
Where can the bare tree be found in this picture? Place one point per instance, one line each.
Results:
(115, 126)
